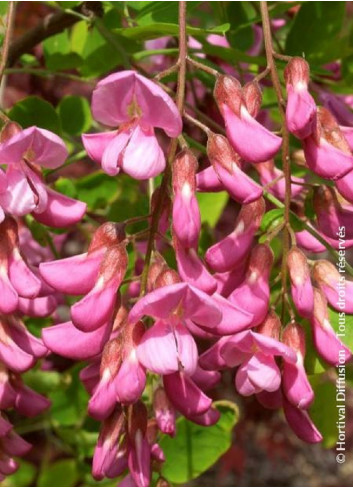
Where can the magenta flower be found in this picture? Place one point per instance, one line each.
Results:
(327, 343)
(338, 290)
(300, 422)
(164, 412)
(269, 173)
(239, 107)
(254, 353)
(233, 249)
(97, 274)
(326, 150)
(129, 100)
(26, 192)
(226, 168)
(254, 293)
(296, 386)
(301, 287)
(301, 107)
(331, 215)
(190, 305)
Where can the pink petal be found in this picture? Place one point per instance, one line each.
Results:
(139, 461)
(206, 379)
(300, 112)
(95, 144)
(143, 157)
(74, 275)
(296, 386)
(37, 145)
(131, 379)
(149, 96)
(185, 395)
(81, 345)
(61, 211)
(9, 297)
(30, 403)
(325, 160)
(39, 307)
(165, 348)
(192, 270)
(22, 278)
(112, 154)
(208, 418)
(208, 181)
(212, 359)
(186, 209)
(240, 130)
(18, 199)
(301, 424)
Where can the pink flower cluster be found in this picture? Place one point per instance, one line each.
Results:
(223, 298)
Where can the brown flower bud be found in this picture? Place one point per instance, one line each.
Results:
(252, 97)
(228, 91)
(271, 326)
(108, 234)
(298, 267)
(330, 130)
(184, 169)
(220, 151)
(294, 337)
(297, 72)
(167, 277)
(9, 130)
(137, 420)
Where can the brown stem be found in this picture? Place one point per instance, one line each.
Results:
(202, 66)
(197, 123)
(285, 145)
(6, 44)
(52, 24)
(163, 189)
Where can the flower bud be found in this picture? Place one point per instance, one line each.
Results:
(301, 287)
(252, 97)
(334, 286)
(164, 412)
(327, 343)
(331, 216)
(108, 234)
(226, 164)
(271, 326)
(9, 130)
(185, 205)
(228, 91)
(297, 73)
(296, 386)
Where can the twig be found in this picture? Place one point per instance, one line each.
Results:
(180, 99)
(6, 44)
(285, 145)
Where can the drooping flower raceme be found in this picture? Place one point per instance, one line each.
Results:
(138, 106)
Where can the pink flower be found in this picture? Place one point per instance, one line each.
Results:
(338, 291)
(326, 150)
(181, 300)
(254, 293)
(327, 343)
(301, 107)
(331, 215)
(296, 386)
(239, 107)
(300, 422)
(185, 205)
(129, 100)
(269, 173)
(254, 353)
(24, 153)
(226, 165)
(164, 412)
(233, 249)
(301, 287)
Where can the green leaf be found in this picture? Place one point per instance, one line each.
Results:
(69, 403)
(271, 219)
(152, 12)
(97, 190)
(75, 115)
(58, 54)
(324, 410)
(152, 31)
(34, 111)
(63, 473)
(66, 186)
(211, 206)
(314, 27)
(196, 448)
(42, 381)
(3, 8)
(24, 476)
